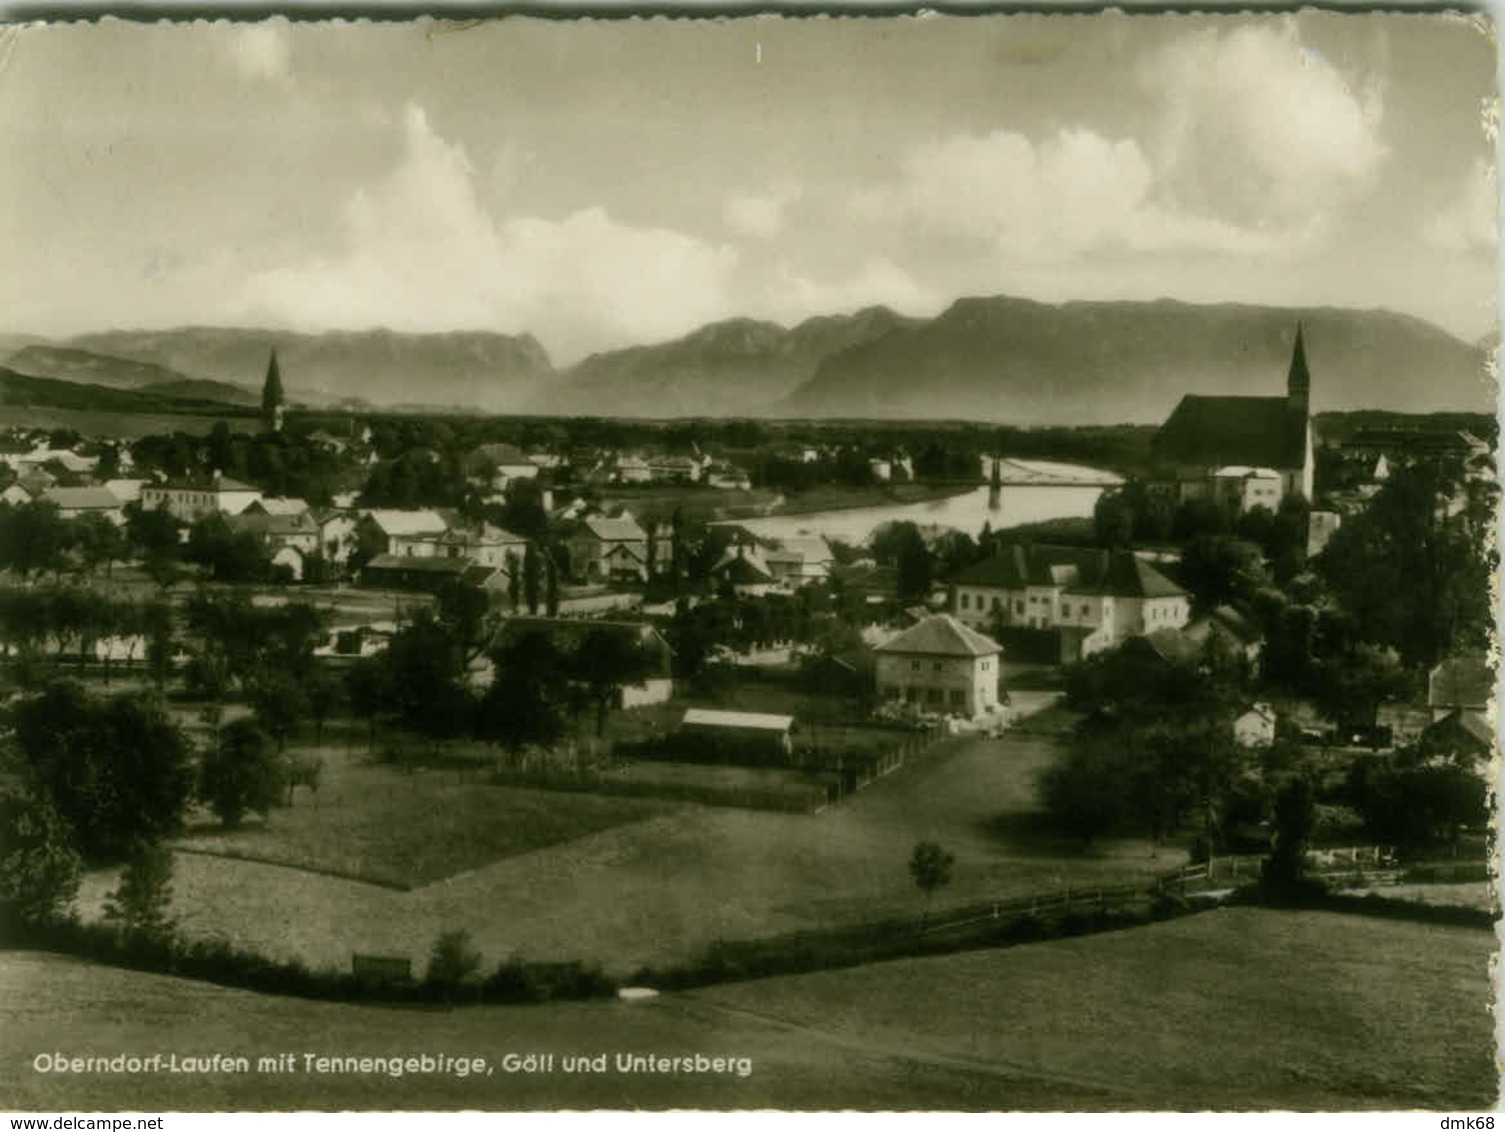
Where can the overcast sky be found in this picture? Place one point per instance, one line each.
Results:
(600, 184)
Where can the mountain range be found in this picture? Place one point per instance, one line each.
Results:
(986, 359)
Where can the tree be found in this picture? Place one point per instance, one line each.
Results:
(34, 539)
(605, 661)
(425, 678)
(40, 866)
(466, 613)
(913, 564)
(322, 694)
(117, 770)
(99, 542)
(139, 906)
(551, 585)
(453, 962)
(930, 868)
(153, 532)
(1084, 791)
(1414, 569)
(367, 684)
(241, 774)
(280, 705)
(1113, 520)
(531, 577)
(157, 624)
(523, 705)
(1350, 687)
(1217, 569)
(1295, 818)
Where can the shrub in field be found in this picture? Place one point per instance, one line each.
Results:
(453, 963)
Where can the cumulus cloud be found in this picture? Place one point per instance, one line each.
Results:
(1467, 222)
(1074, 192)
(877, 282)
(261, 51)
(419, 251)
(1258, 129)
(760, 217)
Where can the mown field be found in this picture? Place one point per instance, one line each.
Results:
(637, 889)
(1233, 1009)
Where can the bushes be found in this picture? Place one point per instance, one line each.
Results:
(221, 962)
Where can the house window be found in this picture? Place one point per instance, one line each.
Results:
(939, 666)
(914, 665)
(1019, 606)
(911, 695)
(957, 697)
(934, 696)
(964, 601)
(995, 604)
(1065, 612)
(1086, 609)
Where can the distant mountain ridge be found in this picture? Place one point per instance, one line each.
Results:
(1014, 360)
(738, 367)
(999, 359)
(477, 369)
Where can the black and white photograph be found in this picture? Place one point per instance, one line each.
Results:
(926, 562)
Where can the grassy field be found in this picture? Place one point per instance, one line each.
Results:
(377, 824)
(1234, 1009)
(662, 888)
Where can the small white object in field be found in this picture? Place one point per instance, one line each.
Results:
(636, 994)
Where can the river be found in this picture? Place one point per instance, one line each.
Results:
(969, 511)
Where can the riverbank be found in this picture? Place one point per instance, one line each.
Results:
(833, 497)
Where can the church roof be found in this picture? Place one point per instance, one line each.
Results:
(1213, 432)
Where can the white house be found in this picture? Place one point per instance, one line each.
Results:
(192, 499)
(940, 665)
(1096, 598)
(406, 534)
(1256, 727)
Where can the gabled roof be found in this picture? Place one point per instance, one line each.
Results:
(1459, 728)
(1461, 681)
(941, 635)
(740, 570)
(261, 523)
(82, 498)
(1214, 432)
(394, 522)
(488, 535)
(410, 564)
(1078, 570)
(1227, 621)
(279, 506)
(502, 455)
(623, 528)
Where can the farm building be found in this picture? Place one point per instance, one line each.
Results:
(736, 736)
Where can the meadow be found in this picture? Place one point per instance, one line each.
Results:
(650, 887)
(1232, 1009)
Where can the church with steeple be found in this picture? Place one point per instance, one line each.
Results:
(272, 397)
(1246, 451)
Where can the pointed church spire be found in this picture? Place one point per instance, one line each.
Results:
(271, 396)
(1299, 380)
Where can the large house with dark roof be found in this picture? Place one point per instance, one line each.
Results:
(940, 665)
(1207, 440)
(1093, 598)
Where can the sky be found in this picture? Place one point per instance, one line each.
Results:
(601, 184)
